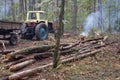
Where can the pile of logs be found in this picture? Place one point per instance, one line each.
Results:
(17, 60)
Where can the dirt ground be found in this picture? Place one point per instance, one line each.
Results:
(106, 67)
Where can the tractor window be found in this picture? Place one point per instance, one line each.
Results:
(42, 16)
(32, 16)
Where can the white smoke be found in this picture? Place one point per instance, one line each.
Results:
(106, 16)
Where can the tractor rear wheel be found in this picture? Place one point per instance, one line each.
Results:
(14, 39)
(41, 31)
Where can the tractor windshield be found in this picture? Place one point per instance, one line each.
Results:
(32, 16)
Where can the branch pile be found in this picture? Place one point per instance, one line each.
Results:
(20, 59)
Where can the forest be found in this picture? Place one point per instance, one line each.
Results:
(90, 14)
(59, 40)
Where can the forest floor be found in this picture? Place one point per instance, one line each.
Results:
(105, 67)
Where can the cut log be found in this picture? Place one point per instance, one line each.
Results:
(21, 65)
(93, 39)
(34, 49)
(17, 62)
(4, 52)
(3, 45)
(36, 56)
(78, 56)
(71, 46)
(26, 73)
(29, 72)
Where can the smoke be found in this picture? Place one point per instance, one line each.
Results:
(106, 17)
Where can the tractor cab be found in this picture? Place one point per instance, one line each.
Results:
(36, 17)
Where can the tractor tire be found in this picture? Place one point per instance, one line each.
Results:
(41, 31)
(14, 39)
(24, 34)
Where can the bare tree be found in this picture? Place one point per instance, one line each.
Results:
(31, 5)
(22, 9)
(13, 10)
(74, 16)
(56, 56)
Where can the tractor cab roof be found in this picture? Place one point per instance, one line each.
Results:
(37, 11)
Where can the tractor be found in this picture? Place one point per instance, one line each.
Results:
(36, 25)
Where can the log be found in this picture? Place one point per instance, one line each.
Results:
(77, 43)
(29, 72)
(3, 45)
(21, 65)
(30, 50)
(17, 62)
(4, 52)
(77, 56)
(93, 39)
(71, 45)
(26, 73)
(39, 56)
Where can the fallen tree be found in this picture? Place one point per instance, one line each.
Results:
(3, 45)
(21, 65)
(4, 52)
(36, 57)
(30, 50)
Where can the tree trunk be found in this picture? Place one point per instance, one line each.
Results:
(101, 15)
(39, 8)
(74, 17)
(56, 55)
(13, 10)
(31, 5)
(22, 4)
(94, 5)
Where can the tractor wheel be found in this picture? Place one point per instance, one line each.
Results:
(14, 39)
(41, 31)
